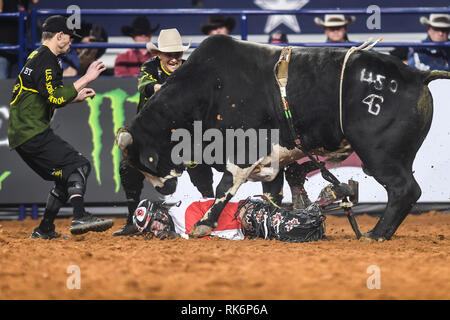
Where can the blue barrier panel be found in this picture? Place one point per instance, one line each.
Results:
(9, 47)
(22, 212)
(244, 27)
(34, 212)
(22, 42)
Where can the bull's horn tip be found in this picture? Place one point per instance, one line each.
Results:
(124, 139)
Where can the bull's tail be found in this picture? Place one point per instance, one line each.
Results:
(435, 74)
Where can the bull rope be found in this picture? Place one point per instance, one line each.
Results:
(366, 47)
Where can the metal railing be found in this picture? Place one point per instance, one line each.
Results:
(242, 13)
(21, 41)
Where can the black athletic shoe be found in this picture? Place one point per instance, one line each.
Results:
(39, 234)
(90, 223)
(127, 230)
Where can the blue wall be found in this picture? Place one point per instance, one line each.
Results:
(191, 24)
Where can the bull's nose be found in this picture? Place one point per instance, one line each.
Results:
(169, 187)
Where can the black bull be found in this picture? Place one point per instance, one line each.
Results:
(227, 83)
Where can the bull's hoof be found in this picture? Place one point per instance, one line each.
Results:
(201, 230)
(370, 237)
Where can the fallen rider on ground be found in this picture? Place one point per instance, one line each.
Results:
(251, 218)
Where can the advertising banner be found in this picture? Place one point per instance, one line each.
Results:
(90, 127)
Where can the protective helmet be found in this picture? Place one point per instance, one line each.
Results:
(147, 212)
(142, 216)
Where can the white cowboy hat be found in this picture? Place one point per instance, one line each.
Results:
(437, 20)
(334, 20)
(169, 40)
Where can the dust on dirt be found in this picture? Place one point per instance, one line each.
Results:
(413, 265)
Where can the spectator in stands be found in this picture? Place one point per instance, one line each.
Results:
(9, 35)
(218, 24)
(90, 33)
(401, 53)
(335, 26)
(438, 28)
(129, 62)
(278, 37)
(76, 61)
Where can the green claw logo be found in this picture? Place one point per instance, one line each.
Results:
(3, 176)
(117, 97)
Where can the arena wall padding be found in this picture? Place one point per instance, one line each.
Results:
(90, 127)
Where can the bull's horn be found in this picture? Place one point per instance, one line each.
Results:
(124, 139)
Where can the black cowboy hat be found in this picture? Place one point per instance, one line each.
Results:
(140, 26)
(218, 21)
(278, 37)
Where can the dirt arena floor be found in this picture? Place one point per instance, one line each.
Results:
(415, 264)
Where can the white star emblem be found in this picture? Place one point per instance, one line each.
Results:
(274, 21)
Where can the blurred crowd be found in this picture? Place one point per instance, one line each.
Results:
(128, 63)
(9, 34)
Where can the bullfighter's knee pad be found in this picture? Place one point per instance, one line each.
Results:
(76, 183)
(56, 199)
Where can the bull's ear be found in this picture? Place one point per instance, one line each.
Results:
(149, 158)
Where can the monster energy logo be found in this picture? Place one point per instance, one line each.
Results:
(3, 176)
(117, 97)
